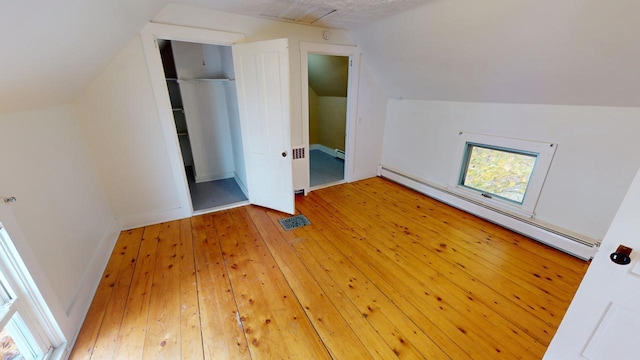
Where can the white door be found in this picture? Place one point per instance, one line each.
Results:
(603, 320)
(262, 83)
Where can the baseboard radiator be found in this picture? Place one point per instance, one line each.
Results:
(574, 244)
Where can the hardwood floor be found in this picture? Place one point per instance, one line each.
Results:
(382, 272)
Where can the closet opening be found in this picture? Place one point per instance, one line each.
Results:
(328, 80)
(201, 84)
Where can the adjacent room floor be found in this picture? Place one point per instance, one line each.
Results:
(324, 168)
(381, 272)
(211, 194)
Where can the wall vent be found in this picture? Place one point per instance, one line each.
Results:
(298, 153)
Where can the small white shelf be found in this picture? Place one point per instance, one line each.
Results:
(204, 80)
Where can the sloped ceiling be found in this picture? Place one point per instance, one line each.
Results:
(509, 51)
(545, 51)
(52, 49)
(328, 75)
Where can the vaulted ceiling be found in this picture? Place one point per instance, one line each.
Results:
(518, 51)
(52, 49)
(329, 75)
(509, 51)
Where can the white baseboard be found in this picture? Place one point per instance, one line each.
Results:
(77, 309)
(215, 176)
(574, 244)
(153, 217)
(325, 149)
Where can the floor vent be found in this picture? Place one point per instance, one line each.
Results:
(298, 153)
(294, 222)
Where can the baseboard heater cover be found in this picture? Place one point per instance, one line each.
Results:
(576, 246)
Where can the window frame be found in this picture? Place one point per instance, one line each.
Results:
(37, 325)
(544, 152)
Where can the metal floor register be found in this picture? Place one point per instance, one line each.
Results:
(294, 222)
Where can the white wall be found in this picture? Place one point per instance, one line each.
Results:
(226, 57)
(122, 126)
(62, 209)
(119, 119)
(594, 164)
(505, 51)
(236, 135)
(255, 30)
(372, 107)
(205, 109)
(368, 131)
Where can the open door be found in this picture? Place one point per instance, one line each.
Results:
(262, 83)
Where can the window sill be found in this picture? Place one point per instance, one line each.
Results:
(476, 197)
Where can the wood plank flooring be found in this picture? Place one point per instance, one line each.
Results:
(382, 272)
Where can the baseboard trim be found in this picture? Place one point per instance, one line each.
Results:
(153, 217)
(214, 177)
(325, 149)
(77, 309)
(571, 243)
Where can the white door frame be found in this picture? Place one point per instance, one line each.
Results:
(353, 53)
(149, 37)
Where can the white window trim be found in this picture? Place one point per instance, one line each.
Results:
(30, 303)
(545, 152)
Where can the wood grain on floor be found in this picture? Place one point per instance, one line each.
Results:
(382, 272)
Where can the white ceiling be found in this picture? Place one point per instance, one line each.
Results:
(348, 14)
(52, 49)
(583, 52)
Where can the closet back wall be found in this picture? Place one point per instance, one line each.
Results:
(202, 85)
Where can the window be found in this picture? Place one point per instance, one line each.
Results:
(25, 332)
(502, 172)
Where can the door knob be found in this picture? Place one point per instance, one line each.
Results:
(9, 199)
(284, 154)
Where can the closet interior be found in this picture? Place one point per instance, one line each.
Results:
(202, 91)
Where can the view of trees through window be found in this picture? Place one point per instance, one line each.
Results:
(499, 172)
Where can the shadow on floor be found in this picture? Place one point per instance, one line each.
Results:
(210, 194)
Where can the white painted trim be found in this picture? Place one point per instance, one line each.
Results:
(149, 36)
(574, 244)
(325, 149)
(191, 34)
(152, 217)
(322, 186)
(222, 207)
(215, 176)
(545, 152)
(353, 53)
(81, 300)
(34, 307)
